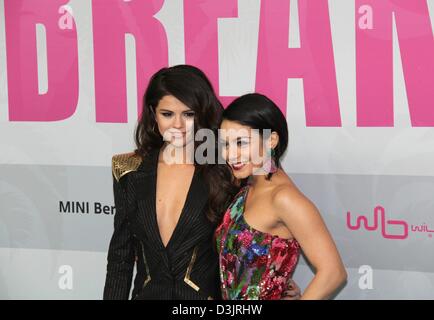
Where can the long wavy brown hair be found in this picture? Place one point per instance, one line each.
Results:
(190, 86)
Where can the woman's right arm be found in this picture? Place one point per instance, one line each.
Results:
(120, 259)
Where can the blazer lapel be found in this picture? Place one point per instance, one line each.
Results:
(193, 208)
(146, 186)
(146, 181)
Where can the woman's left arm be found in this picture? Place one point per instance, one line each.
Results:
(304, 221)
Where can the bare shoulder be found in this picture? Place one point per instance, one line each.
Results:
(288, 199)
(124, 163)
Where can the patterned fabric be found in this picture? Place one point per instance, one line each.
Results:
(253, 264)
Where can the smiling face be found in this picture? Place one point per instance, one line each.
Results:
(244, 149)
(175, 121)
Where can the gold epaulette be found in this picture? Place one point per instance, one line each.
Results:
(125, 163)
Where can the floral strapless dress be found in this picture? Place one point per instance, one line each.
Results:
(253, 264)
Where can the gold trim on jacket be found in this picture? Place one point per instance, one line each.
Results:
(125, 163)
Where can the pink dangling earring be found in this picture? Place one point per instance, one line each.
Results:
(270, 164)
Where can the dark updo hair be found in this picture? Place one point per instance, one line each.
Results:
(189, 85)
(259, 112)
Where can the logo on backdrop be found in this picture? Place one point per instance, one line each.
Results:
(275, 61)
(380, 222)
(85, 207)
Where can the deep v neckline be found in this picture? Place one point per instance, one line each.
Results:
(182, 215)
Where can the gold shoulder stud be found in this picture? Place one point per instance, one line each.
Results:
(125, 163)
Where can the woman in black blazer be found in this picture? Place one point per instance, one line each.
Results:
(166, 213)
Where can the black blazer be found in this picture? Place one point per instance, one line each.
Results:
(187, 268)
